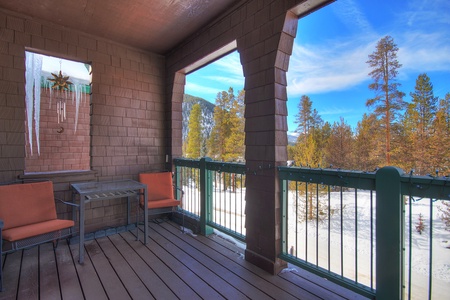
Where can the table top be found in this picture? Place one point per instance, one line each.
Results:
(99, 187)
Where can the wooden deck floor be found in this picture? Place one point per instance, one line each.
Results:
(171, 266)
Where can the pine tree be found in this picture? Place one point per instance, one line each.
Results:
(419, 127)
(366, 145)
(420, 226)
(339, 151)
(388, 100)
(307, 117)
(195, 140)
(309, 147)
(234, 144)
(227, 138)
(216, 143)
(441, 138)
(304, 117)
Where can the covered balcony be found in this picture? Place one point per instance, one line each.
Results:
(138, 54)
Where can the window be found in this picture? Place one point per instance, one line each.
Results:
(57, 122)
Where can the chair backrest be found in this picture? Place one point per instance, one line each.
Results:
(159, 185)
(28, 203)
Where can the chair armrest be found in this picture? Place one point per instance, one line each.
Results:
(67, 203)
(182, 192)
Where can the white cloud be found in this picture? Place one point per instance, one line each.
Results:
(198, 89)
(427, 12)
(230, 65)
(424, 52)
(336, 111)
(351, 14)
(216, 77)
(328, 67)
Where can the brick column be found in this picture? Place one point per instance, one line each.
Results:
(265, 65)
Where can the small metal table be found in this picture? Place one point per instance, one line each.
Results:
(94, 191)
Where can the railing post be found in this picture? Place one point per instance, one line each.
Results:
(205, 197)
(389, 236)
(178, 181)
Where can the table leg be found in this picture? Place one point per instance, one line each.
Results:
(81, 231)
(145, 215)
(1, 258)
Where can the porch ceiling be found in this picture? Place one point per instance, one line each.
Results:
(153, 25)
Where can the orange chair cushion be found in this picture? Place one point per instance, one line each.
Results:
(25, 204)
(160, 189)
(163, 203)
(23, 232)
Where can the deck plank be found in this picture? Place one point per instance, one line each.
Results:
(232, 258)
(91, 284)
(217, 268)
(68, 277)
(11, 274)
(29, 275)
(274, 285)
(131, 282)
(48, 273)
(110, 281)
(173, 278)
(211, 273)
(157, 287)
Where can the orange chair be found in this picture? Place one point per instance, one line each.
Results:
(160, 193)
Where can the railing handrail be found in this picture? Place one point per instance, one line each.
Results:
(238, 168)
(390, 185)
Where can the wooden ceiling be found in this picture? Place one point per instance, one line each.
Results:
(153, 25)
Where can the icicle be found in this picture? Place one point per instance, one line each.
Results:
(29, 96)
(77, 103)
(37, 70)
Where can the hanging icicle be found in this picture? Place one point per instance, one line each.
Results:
(37, 97)
(29, 96)
(33, 64)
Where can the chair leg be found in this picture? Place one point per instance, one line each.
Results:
(1, 257)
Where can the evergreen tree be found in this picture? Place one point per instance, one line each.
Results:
(441, 138)
(226, 142)
(304, 117)
(339, 151)
(366, 145)
(195, 140)
(388, 100)
(307, 117)
(309, 147)
(419, 125)
(216, 143)
(234, 144)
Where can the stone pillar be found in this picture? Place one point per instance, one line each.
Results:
(265, 64)
(174, 117)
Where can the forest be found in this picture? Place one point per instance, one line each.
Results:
(413, 135)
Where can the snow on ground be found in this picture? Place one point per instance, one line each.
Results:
(316, 245)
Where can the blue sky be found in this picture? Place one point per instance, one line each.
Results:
(331, 49)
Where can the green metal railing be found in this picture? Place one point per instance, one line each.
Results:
(350, 227)
(214, 193)
(358, 229)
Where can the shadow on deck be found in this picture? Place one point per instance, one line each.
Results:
(171, 266)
